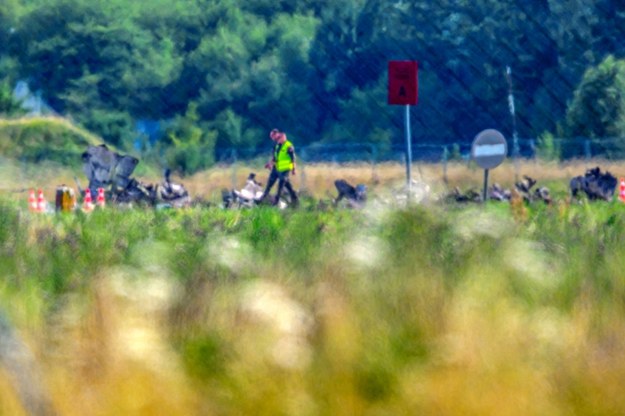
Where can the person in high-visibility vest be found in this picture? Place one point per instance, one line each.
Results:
(283, 163)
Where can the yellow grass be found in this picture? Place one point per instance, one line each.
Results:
(318, 179)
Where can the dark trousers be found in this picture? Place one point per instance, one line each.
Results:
(283, 182)
(273, 177)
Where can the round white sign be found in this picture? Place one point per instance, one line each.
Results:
(489, 149)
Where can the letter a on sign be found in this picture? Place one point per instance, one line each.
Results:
(402, 82)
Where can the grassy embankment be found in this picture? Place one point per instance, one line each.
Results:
(43, 152)
(40, 152)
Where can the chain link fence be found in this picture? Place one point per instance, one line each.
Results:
(545, 148)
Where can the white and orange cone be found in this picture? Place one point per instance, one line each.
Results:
(42, 204)
(87, 203)
(100, 199)
(32, 201)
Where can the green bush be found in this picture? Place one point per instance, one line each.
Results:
(8, 105)
(547, 148)
(189, 145)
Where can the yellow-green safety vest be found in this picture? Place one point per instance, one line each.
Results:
(283, 160)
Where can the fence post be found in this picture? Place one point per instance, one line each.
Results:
(374, 160)
(516, 153)
(445, 158)
(302, 184)
(587, 150)
(233, 169)
(533, 148)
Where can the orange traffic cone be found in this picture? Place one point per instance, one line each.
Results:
(87, 204)
(32, 201)
(100, 199)
(42, 204)
(621, 193)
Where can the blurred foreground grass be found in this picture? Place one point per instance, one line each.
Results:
(426, 310)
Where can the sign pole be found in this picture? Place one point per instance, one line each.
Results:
(403, 90)
(488, 150)
(485, 185)
(408, 150)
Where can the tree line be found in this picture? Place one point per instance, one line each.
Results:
(221, 73)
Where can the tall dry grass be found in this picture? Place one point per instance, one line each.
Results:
(318, 179)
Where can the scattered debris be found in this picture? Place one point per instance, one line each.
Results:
(497, 193)
(594, 184)
(522, 189)
(111, 171)
(470, 195)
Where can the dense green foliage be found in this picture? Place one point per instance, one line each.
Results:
(315, 69)
(598, 106)
(378, 304)
(9, 106)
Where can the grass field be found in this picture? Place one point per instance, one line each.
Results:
(318, 179)
(431, 309)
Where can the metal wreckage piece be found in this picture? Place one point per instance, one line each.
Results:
(594, 184)
(245, 197)
(522, 189)
(112, 171)
(355, 196)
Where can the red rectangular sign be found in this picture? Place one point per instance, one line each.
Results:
(402, 82)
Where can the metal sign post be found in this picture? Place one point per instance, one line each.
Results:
(489, 149)
(485, 191)
(408, 150)
(403, 90)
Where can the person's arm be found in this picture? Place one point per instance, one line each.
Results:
(272, 160)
